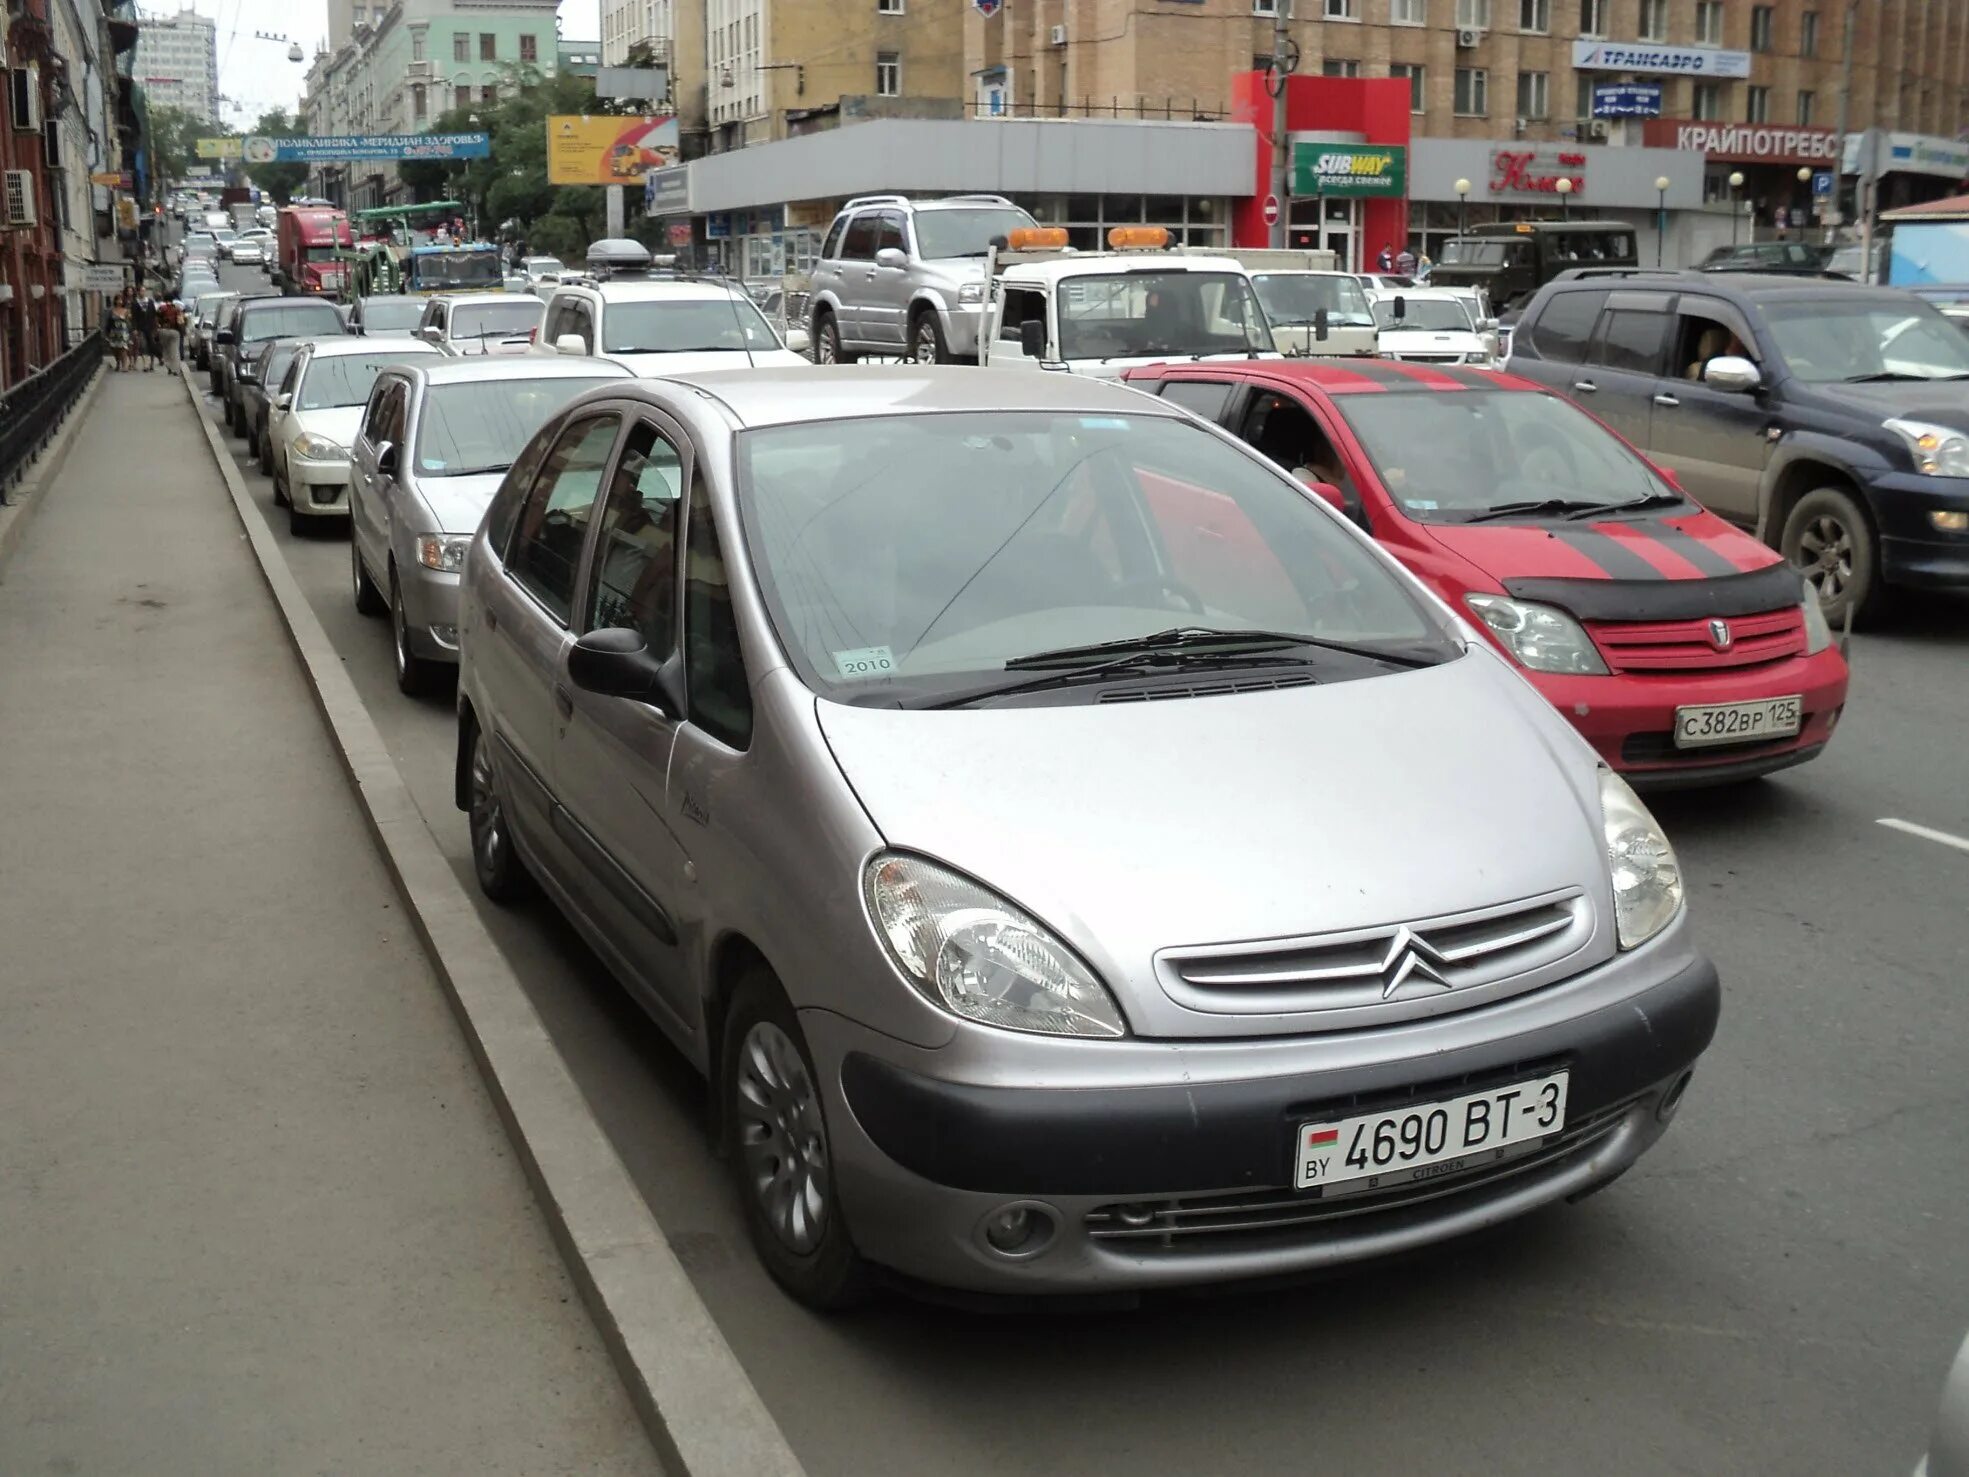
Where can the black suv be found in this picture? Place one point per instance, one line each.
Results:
(254, 323)
(1830, 418)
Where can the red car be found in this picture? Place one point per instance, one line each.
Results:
(1684, 651)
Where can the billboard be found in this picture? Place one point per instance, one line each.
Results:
(1350, 170)
(1691, 61)
(219, 148)
(595, 149)
(262, 149)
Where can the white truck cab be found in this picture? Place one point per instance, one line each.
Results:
(1315, 309)
(1102, 313)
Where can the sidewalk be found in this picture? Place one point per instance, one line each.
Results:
(256, 1213)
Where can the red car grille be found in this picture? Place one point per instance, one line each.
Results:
(1691, 646)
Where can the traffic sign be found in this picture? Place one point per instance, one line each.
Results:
(1822, 182)
(1271, 210)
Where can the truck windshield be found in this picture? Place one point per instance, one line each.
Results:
(1159, 314)
(456, 269)
(1469, 253)
(1427, 314)
(1292, 299)
(948, 233)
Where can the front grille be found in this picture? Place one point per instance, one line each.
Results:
(1204, 689)
(1275, 1216)
(1429, 358)
(1691, 646)
(1374, 976)
(1660, 748)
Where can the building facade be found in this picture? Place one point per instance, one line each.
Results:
(178, 62)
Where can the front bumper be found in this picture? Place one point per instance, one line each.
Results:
(430, 608)
(1181, 1179)
(961, 326)
(318, 487)
(1913, 552)
(1630, 719)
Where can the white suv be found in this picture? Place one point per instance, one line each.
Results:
(662, 325)
(901, 276)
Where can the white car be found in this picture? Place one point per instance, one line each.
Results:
(662, 325)
(542, 273)
(1428, 325)
(245, 251)
(314, 419)
(480, 324)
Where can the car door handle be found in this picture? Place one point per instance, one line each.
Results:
(1666, 400)
(564, 700)
(1585, 387)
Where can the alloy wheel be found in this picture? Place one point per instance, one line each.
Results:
(488, 821)
(825, 350)
(782, 1137)
(926, 343)
(1825, 556)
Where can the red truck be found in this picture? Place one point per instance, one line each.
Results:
(312, 240)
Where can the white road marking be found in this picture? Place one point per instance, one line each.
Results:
(1941, 838)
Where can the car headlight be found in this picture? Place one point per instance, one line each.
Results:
(979, 957)
(1477, 356)
(1647, 880)
(441, 552)
(1939, 451)
(311, 447)
(1542, 638)
(1818, 630)
(971, 292)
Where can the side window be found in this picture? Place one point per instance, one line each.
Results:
(1705, 329)
(1631, 340)
(556, 324)
(292, 377)
(1206, 397)
(1565, 326)
(513, 488)
(554, 523)
(390, 427)
(635, 578)
(1021, 303)
(377, 410)
(888, 231)
(714, 668)
(1279, 427)
(581, 320)
(860, 243)
(831, 247)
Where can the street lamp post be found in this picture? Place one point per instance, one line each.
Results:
(1805, 210)
(1462, 201)
(1661, 215)
(1736, 184)
(1564, 187)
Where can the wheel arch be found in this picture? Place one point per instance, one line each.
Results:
(1798, 472)
(731, 957)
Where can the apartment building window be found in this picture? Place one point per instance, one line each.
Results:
(1340, 66)
(1473, 13)
(1264, 7)
(1414, 75)
(1534, 94)
(417, 46)
(888, 7)
(1709, 22)
(1808, 33)
(488, 94)
(417, 105)
(1806, 102)
(1337, 10)
(1760, 28)
(1757, 105)
(1472, 92)
(1654, 20)
(888, 74)
(461, 47)
(1408, 12)
(1592, 17)
(529, 48)
(488, 47)
(1535, 16)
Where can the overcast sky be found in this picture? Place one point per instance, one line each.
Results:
(257, 73)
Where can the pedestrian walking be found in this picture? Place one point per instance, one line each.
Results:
(116, 331)
(1386, 261)
(1405, 262)
(143, 320)
(171, 331)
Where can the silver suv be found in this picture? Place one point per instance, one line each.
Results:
(901, 276)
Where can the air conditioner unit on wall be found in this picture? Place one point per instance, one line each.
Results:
(1597, 128)
(1468, 38)
(24, 93)
(1058, 36)
(20, 197)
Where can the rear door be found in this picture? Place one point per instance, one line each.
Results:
(857, 277)
(1620, 378)
(1713, 440)
(885, 303)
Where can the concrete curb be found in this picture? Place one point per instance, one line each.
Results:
(695, 1400)
(33, 489)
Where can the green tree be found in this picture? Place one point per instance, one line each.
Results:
(278, 180)
(174, 136)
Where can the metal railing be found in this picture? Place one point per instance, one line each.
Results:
(1167, 109)
(33, 410)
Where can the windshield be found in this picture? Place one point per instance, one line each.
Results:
(342, 380)
(391, 314)
(1445, 457)
(1428, 314)
(1467, 252)
(1292, 299)
(1038, 531)
(685, 326)
(1159, 314)
(543, 264)
(1824, 340)
(480, 426)
(948, 233)
(208, 306)
(321, 253)
(457, 269)
(494, 319)
(290, 318)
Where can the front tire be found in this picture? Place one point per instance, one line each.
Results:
(776, 1130)
(416, 675)
(827, 343)
(1829, 541)
(369, 599)
(502, 876)
(926, 343)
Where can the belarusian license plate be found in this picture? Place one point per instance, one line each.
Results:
(1738, 723)
(1428, 1140)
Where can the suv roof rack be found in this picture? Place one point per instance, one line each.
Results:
(874, 200)
(1577, 274)
(981, 197)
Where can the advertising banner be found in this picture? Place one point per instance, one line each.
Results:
(266, 150)
(1627, 100)
(1646, 56)
(592, 149)
(1743, 143)
(1357, 171)
(219, 148)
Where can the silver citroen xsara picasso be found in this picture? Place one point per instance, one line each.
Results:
(1077, 857)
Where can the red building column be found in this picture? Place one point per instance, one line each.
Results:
(1375, 108)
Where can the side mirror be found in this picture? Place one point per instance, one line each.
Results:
(1401, 307)
(432, 332)
(615, 662)
(1032, 338)
(1320, 321)
(386, 459)
(1730, 372)
(571, 343)
(889, 256)
(224, 336)
(1667, 474)
(281, 402)
(1345, 503)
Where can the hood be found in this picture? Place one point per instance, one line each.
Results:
(656, 366)
(1117, 367)
(457, 503)
(1430, 341)
(1471, 274)
(955, 270)
(1299, 339)
(1945, 402)
(1137, 826)
(338, 425)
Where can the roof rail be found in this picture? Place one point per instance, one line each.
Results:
(1578, 274)
(982, 197)
(875, 200)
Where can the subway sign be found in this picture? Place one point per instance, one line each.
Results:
(1348, 170)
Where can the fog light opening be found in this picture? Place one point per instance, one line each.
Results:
(1949, 520)
(323, 493)
(1021, 1229)
(1672, 1099)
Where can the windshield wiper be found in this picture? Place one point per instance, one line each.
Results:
(1180, 640)
(1161, 658)
(1558, 505)
(1652, 500)
(1886, 376)
(470, 471)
